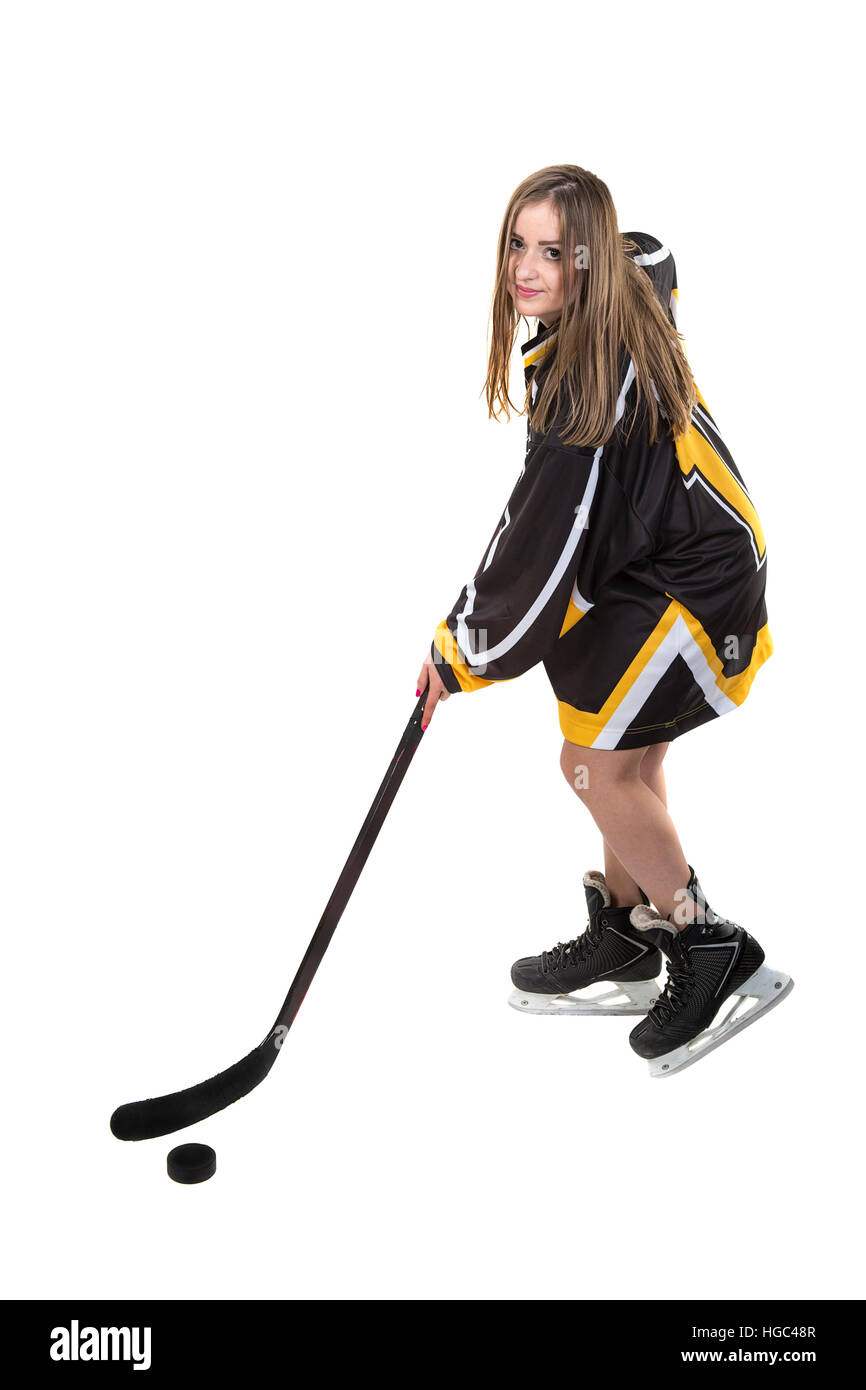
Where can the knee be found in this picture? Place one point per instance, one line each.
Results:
(591, 772)
(652, 760)
(575, 769)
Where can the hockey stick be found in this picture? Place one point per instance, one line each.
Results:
(147, 1119)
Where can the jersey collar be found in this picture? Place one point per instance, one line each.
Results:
(537, 347)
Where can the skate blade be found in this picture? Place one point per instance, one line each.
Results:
(762, 991)
(615, 997)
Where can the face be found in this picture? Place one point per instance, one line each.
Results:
(535, 263)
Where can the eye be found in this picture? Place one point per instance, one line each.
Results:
(554, 252)
(519, 246)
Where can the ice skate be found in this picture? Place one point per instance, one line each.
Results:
(611, 968)
(717, 984)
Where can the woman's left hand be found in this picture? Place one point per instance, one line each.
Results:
(428, 673)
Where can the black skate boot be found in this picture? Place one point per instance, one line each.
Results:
(611, 952)
(710, 961)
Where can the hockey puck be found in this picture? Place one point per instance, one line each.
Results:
(191, 1163)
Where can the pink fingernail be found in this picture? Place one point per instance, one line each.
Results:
(417, 692)
(423, 726)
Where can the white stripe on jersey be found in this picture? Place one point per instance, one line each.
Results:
(652, 257)
(677, 642)
(697, 478)
(581, 523)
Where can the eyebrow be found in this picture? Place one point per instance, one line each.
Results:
(541, 243)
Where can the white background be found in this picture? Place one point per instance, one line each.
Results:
(247, 260)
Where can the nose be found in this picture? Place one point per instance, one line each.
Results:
(526, 269)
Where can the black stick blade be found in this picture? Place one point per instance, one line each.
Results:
(148, 1119)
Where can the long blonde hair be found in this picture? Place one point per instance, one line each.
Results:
(607, 302)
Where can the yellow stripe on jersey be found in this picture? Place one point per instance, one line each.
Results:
(583, 727)
(695, 452)
(572, 615)
(735, 687)
(538, 352)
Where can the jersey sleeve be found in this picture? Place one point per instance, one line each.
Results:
(510, 614)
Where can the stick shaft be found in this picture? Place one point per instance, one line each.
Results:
(358, 856)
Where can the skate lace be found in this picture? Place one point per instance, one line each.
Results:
(565, 952)
(676, 993)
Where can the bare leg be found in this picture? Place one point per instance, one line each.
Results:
(634, 822)
(623, 889)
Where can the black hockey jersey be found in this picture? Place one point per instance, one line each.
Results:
(636, 573)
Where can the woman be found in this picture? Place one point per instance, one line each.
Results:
(631, 561)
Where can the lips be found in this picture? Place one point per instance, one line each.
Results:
(527, 294)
